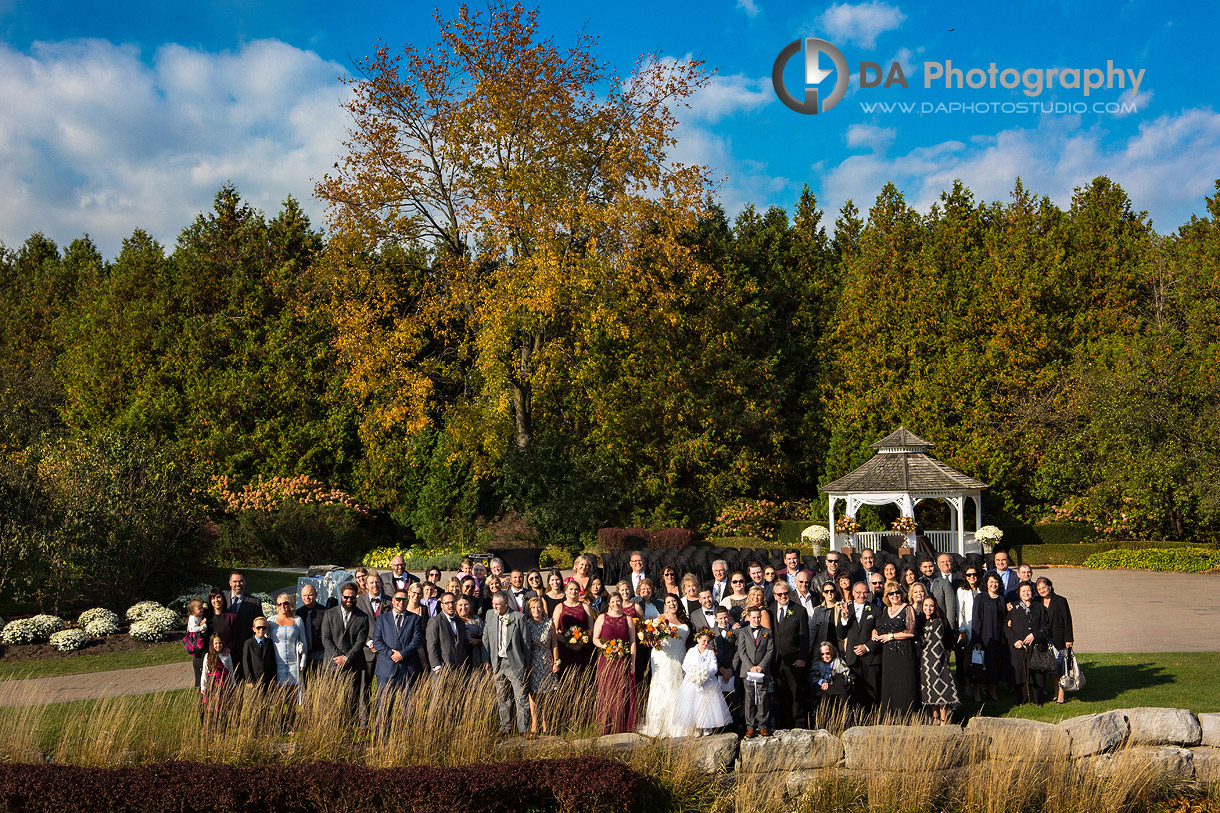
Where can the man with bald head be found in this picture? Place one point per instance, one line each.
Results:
(311, 612)
(398, 578)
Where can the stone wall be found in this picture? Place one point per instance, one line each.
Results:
(1176, 741)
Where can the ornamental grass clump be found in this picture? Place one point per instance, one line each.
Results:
(69, 640)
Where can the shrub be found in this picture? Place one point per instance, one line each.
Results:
(151, 621)
(1182, 560)
(101, 627)
(622, 538)
(140, 609)
(759, 518)
(1062, 533)
(69, 640)
(199, 591)
(97, 613)
(21, 631)
(671, 538)
(555, 556)
(550, 785)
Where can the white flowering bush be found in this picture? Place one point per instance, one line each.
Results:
(199, 591)
(267, 601)
(97, 614)
(815, 535)
(32, 630)
(154, 626)
(102, 626)
(140, 609)
(69, 640)
(989, 534)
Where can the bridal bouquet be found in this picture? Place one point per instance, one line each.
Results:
(575, 637)
(655, 632)
(698, 674)
(615, 649)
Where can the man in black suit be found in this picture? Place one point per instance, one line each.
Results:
(868, 566)
(345, 632)
(876, 587)
(258, 657)
(726, 651)
(754, 572)
(373, 603)
(397, 578)
(704, 615)
(446, 637)
(861, 654)
(246, 609)
(791, 657)
(518, 594)
(311, 614)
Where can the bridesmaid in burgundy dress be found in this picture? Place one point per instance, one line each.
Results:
(642, 653)
(572, 613)
(615, 708)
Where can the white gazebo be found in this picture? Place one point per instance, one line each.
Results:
(902, 472)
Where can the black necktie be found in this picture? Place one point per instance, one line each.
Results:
(398, 623)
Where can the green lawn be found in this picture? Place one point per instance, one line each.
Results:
(83, 663)
(1115, 681)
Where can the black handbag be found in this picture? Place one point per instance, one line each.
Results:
(1042, 660)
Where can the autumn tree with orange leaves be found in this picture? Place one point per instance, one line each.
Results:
(526, 196)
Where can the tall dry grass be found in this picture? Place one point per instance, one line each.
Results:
(453, 720)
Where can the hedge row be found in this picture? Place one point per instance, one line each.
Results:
(579, 784)
(634, 538)
(1182, 560)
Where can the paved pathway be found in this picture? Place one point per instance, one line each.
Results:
(1112, 611)
(143, 680)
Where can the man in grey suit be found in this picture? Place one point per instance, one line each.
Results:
(509, 654)
(345, 631)
(943, 588)
(755, 651)
(447, 637)
(705, 615)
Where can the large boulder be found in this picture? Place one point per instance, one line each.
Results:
(1096, 733)
(621, 743)
(1167, 761)
(795, 749)
(911, 748)
(1207, 764)
(1209, 725)
(1012, 738)
(1152, 726)
(710, 754)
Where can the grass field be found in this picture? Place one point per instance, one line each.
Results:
(83, 664)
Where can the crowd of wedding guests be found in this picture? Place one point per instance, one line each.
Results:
(668, 655)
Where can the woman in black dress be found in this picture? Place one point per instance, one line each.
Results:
(1059, 615)
(899, 657)
(1027, 628)
(987, 633)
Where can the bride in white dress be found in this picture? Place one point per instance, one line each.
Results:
(667, 676)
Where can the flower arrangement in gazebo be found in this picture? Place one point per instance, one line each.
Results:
(815, 536)
(903, 525)
(988, 537)
(846, 525)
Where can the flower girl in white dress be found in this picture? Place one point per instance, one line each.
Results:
(700, 703)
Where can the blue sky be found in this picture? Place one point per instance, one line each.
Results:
(131, 114)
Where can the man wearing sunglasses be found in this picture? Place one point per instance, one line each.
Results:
(861, 654)
(345, 632)
(397, 637)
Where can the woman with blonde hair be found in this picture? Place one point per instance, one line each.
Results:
(288, 635)
(544, 660)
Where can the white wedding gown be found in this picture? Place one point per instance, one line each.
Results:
(667, 677)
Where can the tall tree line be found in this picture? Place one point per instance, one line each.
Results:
(1068, 357)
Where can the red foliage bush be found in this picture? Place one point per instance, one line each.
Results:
(582, 784)
(622, 538)
(671, 538)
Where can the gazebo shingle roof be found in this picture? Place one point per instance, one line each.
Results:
(914, 471)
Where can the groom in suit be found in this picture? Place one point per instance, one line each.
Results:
(755, 652)
(397, 637)
(509, 655)
(861, 653)
(791, 657)
(345, 630)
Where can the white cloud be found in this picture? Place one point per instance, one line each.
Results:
(1167, 167)
(859, 23)
(871, 136)
(728, 95)
(93, 138)
(749, 7)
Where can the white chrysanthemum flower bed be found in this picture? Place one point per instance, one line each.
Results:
(199, 591)
(151, 621)
(268, 603)
(97, 614)
(69, 640)
(140, 609)
(102, 626)
(32, 630)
